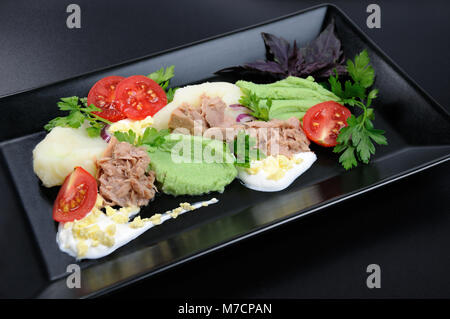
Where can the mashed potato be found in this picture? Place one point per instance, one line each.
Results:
(62, 150)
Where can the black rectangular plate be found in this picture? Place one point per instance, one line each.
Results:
(414, 144)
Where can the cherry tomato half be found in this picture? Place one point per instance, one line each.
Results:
(140, 97)
(323, 121)
(103, 96)
(76, 197)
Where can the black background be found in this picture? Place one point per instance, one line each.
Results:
(404, 227)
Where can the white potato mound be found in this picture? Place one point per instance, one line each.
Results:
(62, 150)
(191, 95)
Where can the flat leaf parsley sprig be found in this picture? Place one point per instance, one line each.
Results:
(162, 77)
(251, 101)
(355, 141)
(151, 139)
(79, 112)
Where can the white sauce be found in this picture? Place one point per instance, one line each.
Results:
(123, 235)
(260, 182)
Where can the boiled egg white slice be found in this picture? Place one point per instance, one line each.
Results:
(275, 173)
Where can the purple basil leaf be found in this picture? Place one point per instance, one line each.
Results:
(319, 58)
(323, 53)
(266, 66)
(278, 48)
(295, 59)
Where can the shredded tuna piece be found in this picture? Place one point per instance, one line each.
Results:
(188, 117)
(123, 177)
(284, 137)
(213, 110)
(211, 113)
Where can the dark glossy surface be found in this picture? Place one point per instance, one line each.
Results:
(406, 151)
(402, 226)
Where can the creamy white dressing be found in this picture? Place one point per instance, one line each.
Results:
(261, 182)
(124, 232)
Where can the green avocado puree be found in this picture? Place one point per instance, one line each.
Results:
(181, 173)
(292, 96)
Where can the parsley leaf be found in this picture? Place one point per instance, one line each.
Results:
(349, 93)
(336, 86)
(356, 141)
(129, 137)
(79, 112)
(258, 110)
(68, 103)
(170, 94)
(151, 139)
(347, 159)
(93, 131)
(162, 77)
(360, 70)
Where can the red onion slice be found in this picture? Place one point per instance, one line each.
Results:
(241, 113)
(244, 117)
(105, 134)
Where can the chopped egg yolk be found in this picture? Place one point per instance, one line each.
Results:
(274, 167)
(103, 228)
(137, 127)
(87, 230)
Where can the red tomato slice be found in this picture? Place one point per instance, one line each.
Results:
(103, 96)
(140, 97)
(76, 197)
(323, 121)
